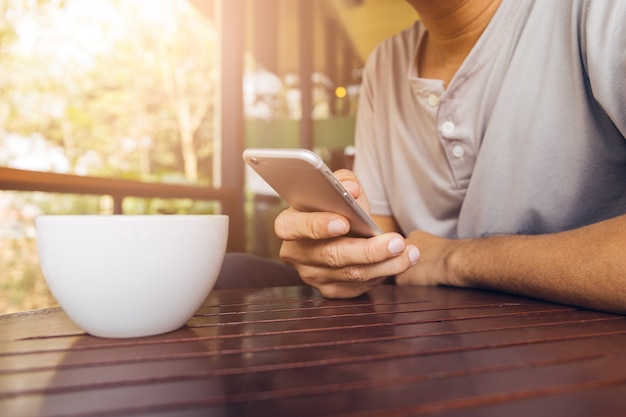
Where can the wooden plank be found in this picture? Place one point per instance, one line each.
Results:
(398, 384)
(306, 326)
(23, 180)
(185, 365)
(289, 352)
(230, 198)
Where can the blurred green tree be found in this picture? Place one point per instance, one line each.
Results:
(123, 86)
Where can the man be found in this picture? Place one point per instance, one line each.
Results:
(491, 136)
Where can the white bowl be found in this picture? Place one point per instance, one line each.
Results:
(130, 276)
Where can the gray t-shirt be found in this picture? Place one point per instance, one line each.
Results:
(527, 138)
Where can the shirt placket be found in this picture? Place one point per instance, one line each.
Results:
(455, 138)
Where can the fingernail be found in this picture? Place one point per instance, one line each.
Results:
(337, 227)
(396, 246)
(414, 255)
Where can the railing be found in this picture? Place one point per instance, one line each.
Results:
(22, 180)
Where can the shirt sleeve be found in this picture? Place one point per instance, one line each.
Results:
(366, 163)
(604, 53)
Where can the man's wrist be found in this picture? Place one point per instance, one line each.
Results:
(458, 262)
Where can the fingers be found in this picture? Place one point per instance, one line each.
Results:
(340, 289)
(353, 280)
(360, 272)
(345, 175)
(351, 183)
(344, 251)
(346, 267)
(292, 224)
(336, 265)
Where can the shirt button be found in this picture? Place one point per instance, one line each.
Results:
(448, 127)
(458, 151)
(433, 100)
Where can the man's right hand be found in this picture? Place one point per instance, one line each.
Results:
(336, 265)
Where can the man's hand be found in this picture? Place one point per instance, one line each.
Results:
(435, 266)
(336, 265)
(582, 267)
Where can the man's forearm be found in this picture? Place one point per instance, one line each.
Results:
(584, 267)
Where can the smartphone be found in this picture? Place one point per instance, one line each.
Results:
(302, 179)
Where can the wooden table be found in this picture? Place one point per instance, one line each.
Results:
(287, 352)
